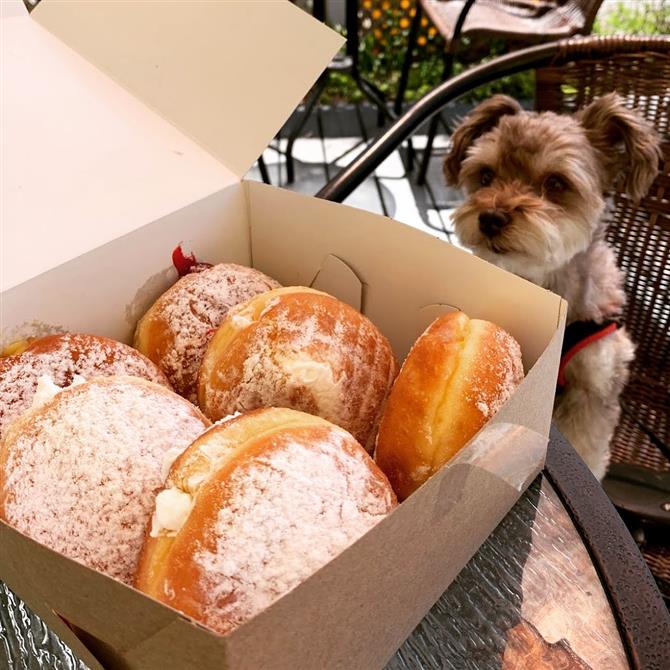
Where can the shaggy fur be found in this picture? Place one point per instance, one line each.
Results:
(536, 186)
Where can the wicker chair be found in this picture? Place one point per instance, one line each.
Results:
(520, 22)
(570, 73)
(641, 235)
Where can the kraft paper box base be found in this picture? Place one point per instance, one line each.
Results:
(360, 607)
(356, 610)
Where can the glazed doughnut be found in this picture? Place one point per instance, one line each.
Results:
(80, 473)
(252, 508)
(299, 348)
(175, 331)
(61, 357)
(455, 378)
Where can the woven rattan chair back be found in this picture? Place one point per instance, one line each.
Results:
(640, 232)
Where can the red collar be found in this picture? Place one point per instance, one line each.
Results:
(580, 334)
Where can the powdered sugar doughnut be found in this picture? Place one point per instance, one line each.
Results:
(61, 357)
(456, 377)
(252, 508)
(175, 331)
(299, 348)
(79, 474)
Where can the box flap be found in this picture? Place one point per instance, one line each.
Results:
(12, 8)
(337, 278)
(226, 73)
(82, 161)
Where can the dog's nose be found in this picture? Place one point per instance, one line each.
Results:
(492, 221)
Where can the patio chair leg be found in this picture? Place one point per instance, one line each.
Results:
(425, 159)
(404, 77)
(432, 128)
(407, 63)
(313, 99)
(375, 96)
(383, 112)
(263, 168)
(369, 90)
(446, 74)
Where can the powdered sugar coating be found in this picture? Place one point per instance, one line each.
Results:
(174, 333)
(80, 473)
(306, 351)
(288, 509)
(506, 369)
(61, 357)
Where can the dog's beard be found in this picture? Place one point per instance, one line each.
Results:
(533, 245)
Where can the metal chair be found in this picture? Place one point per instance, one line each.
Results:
(570, 73)
(342, 63)
(520, 22)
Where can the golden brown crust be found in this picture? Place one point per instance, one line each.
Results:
(249, 522)
(299, 348)
(455, 378)
(176, 329)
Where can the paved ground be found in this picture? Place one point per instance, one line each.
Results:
(334, 136)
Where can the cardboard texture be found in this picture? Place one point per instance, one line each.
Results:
(226, 74)
(83, 162)
(356, 610)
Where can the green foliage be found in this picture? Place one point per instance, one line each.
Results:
(385, 26)
(644, 17)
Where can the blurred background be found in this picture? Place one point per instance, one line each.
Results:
(344, 119)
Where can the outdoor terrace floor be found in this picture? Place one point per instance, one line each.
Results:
(332, 138)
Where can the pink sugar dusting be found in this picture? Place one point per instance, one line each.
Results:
(81, 472)
(68, 354)
(288, 514)
(193, 309)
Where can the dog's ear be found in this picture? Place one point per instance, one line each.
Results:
(626, 142)
(481, 119)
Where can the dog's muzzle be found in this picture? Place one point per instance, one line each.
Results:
(492, 221)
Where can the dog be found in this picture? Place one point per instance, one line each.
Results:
(536, 189)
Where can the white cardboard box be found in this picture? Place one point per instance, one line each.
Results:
(126, 129)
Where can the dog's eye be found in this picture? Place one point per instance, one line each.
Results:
(554, 184)
(486, 176)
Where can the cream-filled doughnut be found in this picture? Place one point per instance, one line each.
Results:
(175, 331)
(455, 378)
(252, 508)
(61, 357)
(303, 349)
(80, 473)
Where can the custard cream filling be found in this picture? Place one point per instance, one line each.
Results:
(172, 509)
(47, 389)
(173, 505)
(317, 376)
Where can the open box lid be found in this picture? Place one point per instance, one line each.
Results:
(191, 94)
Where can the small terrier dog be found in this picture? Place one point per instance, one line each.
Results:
(536, 186)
